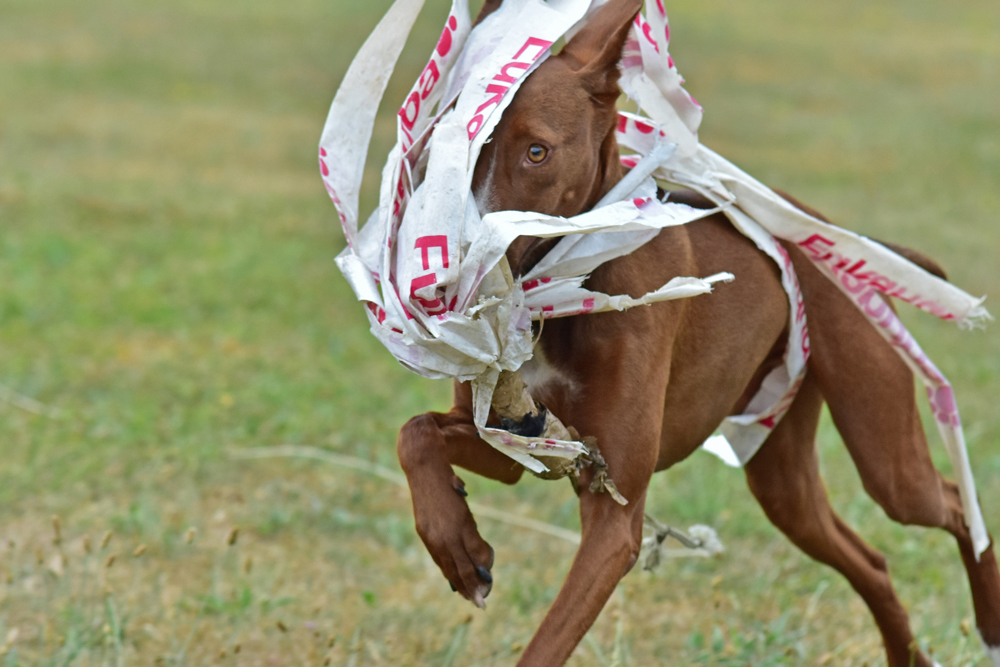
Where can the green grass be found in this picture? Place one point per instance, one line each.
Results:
(167, 285)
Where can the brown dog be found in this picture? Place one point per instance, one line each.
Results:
(652, 384)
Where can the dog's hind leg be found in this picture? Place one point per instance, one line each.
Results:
(882, 430)
(428, 446)
(784, 477)
(871, 396)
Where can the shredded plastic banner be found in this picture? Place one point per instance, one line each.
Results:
(431, 270)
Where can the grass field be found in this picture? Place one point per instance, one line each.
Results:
(168, 297)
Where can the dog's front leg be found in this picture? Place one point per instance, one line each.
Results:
(429, 445)
(626, 425)
(610, 542)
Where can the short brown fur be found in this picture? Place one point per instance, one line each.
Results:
(652, 383)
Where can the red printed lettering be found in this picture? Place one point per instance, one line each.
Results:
(857, 266)
(647, 31)
(428, 80)
(435, 307)
(379, 313)
(876, 311)
(444, 44)
(475, 125)
(497, 91)
(900, 294)
(404, 116)
(425, 243)
(882, 284)
(812, 244)
(505, 76)
(851, 283)
(645, 128)
(838, 263)
(532, 284)
(535, 42)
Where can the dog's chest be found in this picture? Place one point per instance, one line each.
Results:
(544, 380)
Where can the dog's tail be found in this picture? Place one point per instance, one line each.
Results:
(918, 258)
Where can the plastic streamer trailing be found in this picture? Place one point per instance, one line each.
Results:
(431, 271)
(698, 541)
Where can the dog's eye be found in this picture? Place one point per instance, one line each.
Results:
(537, 154)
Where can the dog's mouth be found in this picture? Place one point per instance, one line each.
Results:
(530, 426)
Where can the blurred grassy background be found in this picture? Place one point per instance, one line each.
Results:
(167, 285)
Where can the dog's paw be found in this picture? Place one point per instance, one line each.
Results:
(481, 588)
(449, 532)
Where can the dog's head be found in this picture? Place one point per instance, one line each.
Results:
(554, 150)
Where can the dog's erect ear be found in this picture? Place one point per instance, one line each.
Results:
(489, 7)
(596, 50)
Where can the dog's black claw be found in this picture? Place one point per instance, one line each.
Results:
(453, 589)
(460, 490)
(484, 574)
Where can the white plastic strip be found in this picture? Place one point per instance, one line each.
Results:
(432, 273)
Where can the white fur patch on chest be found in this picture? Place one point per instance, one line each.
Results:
(542, 377)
